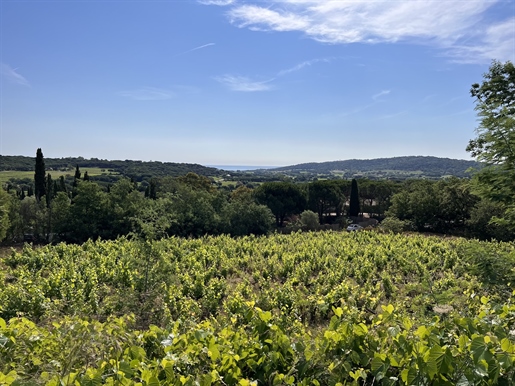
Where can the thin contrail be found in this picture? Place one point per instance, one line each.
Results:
(196, 48)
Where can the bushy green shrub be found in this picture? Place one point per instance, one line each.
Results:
(309, 219)
(393, 224)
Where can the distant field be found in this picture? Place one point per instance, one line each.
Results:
(5, 176)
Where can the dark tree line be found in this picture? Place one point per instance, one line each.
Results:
(192, 205)
(188, 205)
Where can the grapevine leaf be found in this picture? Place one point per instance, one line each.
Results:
(376, 364)
(153, 381)
(478, 348)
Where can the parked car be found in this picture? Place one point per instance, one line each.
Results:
(354, 227)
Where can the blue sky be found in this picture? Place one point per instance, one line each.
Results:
(245, 82)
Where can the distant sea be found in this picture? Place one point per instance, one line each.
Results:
(241, 167)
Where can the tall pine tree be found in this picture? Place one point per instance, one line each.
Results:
(354, 207)
(39, 176)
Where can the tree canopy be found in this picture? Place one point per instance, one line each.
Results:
(495, 141)
(283, 199)
(495, 104)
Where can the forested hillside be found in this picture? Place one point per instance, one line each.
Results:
(393, 168)
(413, 166)
(135, 169)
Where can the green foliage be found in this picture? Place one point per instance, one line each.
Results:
(495, 141)
(191, 278)
(326, 197)
(89, 214)
(437, 206)
(495, 103)
(309, 219)
(488, 264)
(394, 167)
(252, 348)
(354, 205)
(304, 309)
(241, 218)
(28, 216)
(50, 191)
(417, 202)
(39, 176)
(242, 193)
(62, 185)
(5, 203)
(196, 212)
(125, 204)
(393, 224)
(60, 213)
(481, 224)
(283, 199)
(376, 195)
(154, 219)
(196, 182)
(127, 168)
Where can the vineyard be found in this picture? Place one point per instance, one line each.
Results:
(302, 309)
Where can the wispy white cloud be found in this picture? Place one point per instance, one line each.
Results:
(10, 74)
(217, 2)
(459, 28)
(496, 41)
(301, 65)
(147, 94)
(195, 49)
(380, 94)
(262, 18)
(242, 83)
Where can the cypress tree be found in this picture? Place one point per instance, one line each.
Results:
(62, 184)
(77, 172)
(86, 177)
(76, 177)
(39, 175)
(354, 207)
(30, 191)
(49, 190)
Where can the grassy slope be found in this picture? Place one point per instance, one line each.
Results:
(6, 175)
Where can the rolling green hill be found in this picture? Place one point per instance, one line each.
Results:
(410, 166)
(136, 169)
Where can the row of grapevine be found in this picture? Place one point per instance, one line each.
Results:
(251, 348)
(360, 308)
